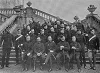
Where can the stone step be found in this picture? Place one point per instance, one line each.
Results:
(13, 58)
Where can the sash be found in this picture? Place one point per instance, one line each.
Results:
(19, 37)
(92, 37)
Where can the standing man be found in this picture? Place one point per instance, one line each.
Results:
(93, 48)
(7, 41)
(19, 39)
(81, 39)
(75, 53)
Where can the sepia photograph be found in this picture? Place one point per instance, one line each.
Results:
(49, 36)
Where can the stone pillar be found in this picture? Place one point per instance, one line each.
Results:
(29, 12)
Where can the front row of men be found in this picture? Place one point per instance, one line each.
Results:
(45, 52)
(49, 51)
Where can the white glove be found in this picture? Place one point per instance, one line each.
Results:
(21, 44)
(45, 54)
(97, 51)
(61, 47)
(73, 47)
(28, 54)
(51, 50)
(22, 52)
(38, 54)
(0, 47)
(13, 47)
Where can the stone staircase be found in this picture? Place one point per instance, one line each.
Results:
(12, 57)
(38, 16)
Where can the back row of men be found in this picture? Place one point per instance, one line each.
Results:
(52, 41)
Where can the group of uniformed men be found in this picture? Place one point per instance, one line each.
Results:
(49, 42)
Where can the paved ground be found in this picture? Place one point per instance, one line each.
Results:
(18, 69)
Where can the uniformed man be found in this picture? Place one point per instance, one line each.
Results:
(50, 48)
(75, 52)
(81, 39)
(26, 49)
(38, 50)
(33, 36)
(7, 41)
(63, 48)
(73, 30)
(19, 39)
(68, 32)
(93, 48)
(42, 36)
(53, 34)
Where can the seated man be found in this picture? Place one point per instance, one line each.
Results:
(50, 49)
(38, 50)
(62, 49)
(75, 52)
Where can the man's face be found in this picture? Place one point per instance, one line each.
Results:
(79, 32)
(28, 27)
(67, 27)
(32, 31)
(49, 38)
(62, 25)
(62, 31)
(19, 31)
(93, 32)
(38, 39)
(63, 38)
(52, 29)
(28, 38)
(58, 22)
(73, 38)
(42, 31)
(46, 27)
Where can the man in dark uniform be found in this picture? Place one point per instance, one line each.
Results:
(53, 34)
(93, 48)
(26, 59)
(75, 52)
(50, 48)
(19, 39)
(42, 36)
(81, 39)
(63, 48)
(68, 32)
(33, 36)
(73, 30)
(7, 41)
(46, 30)
(38, 50)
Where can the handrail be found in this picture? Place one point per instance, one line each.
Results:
(48, 16)
(8, 24)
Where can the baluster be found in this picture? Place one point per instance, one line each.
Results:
(0, 11)
(5, 11)
(39, 13)
(11, 12)
(42, 15)
(36, 13)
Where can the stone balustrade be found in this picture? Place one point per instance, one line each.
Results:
(9, 12)
(45, 15)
